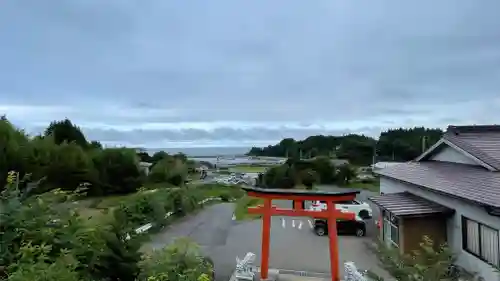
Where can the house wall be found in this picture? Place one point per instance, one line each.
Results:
(454, 228)
(449, 154)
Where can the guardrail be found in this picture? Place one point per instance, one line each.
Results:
(146, 227)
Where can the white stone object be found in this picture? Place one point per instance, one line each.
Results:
(351, 273)
(244, 267)
(144, 228)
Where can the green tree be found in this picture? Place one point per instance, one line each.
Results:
(393, 144)
(68, 168)
(169, 170)
(95, 145)
(66, 131)
(406, 144)
(118, 170)
(324, 169)
(13, 145)
(345, 173)
(145, 157)
(282, 177)
(308, 178)
(157, 156)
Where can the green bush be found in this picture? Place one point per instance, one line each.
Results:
(181, 261)
(308, 178)
(225, 197)
(169, 170)
(33, 264)
(13, 145)
(118, 170)
(44, 229)
(146, 207)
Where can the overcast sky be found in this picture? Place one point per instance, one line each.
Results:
(160, 73)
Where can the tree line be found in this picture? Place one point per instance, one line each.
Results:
(307, 173)
(392, 145)
(62, 157)
(51, 230)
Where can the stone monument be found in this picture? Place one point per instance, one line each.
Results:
(352, 273)
(244, 268)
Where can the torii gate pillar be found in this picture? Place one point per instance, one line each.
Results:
(298, 197)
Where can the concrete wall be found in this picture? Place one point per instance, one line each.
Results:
(454, 228)
(449, 154)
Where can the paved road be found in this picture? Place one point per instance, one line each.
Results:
(291, 247)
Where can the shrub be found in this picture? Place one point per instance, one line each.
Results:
(181, 261)
(430, 263)
(119, 171)
(69, 167)
(33, 264)
(43, 230)
(151, 207)
(308, 178)
(169, 170)
(225, 197)
(13, 144)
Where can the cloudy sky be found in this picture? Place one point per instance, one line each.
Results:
(160, 73)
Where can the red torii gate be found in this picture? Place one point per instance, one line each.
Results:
(299, 196)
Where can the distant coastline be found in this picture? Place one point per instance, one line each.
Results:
(202, 152)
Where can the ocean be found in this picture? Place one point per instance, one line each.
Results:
(203, 151)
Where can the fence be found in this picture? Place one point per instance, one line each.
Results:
(148, 226)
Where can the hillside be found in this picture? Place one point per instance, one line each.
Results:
(392, 145)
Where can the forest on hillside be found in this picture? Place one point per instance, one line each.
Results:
(392, 145)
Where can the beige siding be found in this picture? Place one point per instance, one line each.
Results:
(449, 154)
(454, 224)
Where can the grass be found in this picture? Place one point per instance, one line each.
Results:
(248, 169)
(241, 207)
(99, 210)
(370, 186)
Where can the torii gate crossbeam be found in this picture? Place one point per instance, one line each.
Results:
(299, 197)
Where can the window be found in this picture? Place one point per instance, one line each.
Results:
(481, 240)
(391, 229)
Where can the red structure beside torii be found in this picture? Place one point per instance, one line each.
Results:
(299, 197)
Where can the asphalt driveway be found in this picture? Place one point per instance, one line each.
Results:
(293, 244)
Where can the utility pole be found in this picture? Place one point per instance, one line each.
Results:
(374, 155)
(424, 139)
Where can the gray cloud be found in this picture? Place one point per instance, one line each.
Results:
(248, 72)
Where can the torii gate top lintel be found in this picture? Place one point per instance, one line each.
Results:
(298, 194)
(298, 197)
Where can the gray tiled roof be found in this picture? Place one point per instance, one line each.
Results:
(464, 181)
(408, 204)
(483, 142)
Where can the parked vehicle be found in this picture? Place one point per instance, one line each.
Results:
(347, 227)
(361, 209)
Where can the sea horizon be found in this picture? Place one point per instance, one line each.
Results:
(202, 151)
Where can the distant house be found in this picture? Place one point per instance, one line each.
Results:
(383, 165)
(450, 193)
(145, 166)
